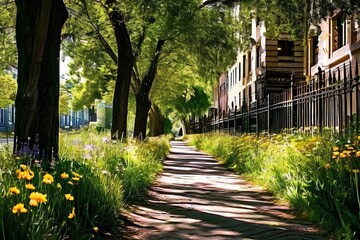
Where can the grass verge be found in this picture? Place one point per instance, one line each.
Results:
(82, 196)
(318, 176)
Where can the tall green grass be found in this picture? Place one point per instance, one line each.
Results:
(318, 176)
(93, 180)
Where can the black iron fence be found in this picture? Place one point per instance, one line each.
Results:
(328, 101)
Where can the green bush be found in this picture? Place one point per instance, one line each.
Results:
(316, 175)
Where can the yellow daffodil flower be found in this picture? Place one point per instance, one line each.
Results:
(19, 208)
(76, 175)
(69, 197)
(23, 167)
(39, 197)
(96, 229)
(347, 152)
(48, 179)
(27, 174)
(327, 166)
(58, 185)
(14, 190)
(70, 182)
(76, 179)
(335, 149)
(72, 214)
(64, 175)
(29, 186)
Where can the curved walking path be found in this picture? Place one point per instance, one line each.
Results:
(196, 198)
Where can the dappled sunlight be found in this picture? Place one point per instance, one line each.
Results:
(196, 198)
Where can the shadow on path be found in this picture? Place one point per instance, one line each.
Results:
(196, 198)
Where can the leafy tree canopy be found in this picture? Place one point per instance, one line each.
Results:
(202, 40)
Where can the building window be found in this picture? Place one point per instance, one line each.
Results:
(244, 61)
(258, 21)
(232, 78)
(315, 50)
(249, 62)
(258, 56)
(244, 97)
(239, 70)
(285, 48)
(339, 32)
(250, 94)
(235, 72)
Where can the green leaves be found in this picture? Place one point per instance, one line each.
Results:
(8, 55)
(8, 90)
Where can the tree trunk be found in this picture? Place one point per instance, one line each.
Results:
(157, 121)
(125, 65)
(185, 125)
(38, 32)
(143, 102)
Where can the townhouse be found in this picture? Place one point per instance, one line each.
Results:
(270, 66)
(335, 42)
(265, 67)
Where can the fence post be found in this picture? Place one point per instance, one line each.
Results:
(235, 120)
(268, 113)
(218, 120)
(351, 100)
(257, 110)
(242, 117)
(357, 95)
(215, 114)
(340, 103)
(292, 101)
(228, 121)
(320, 99)
(345, 99)
(223, 120)
(248, 115)
(199, 124)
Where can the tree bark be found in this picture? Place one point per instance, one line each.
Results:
(38, 36)
(157, 121)
(185, 125)
(124, 70)
(143, 102)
